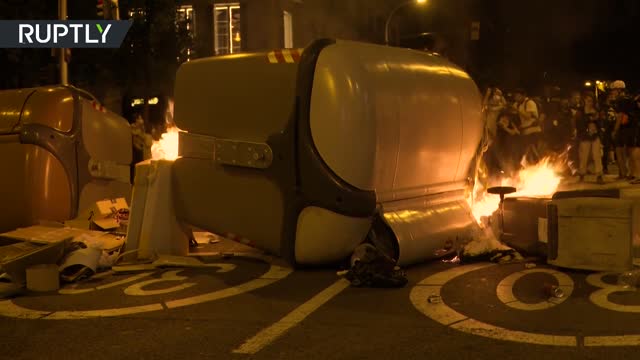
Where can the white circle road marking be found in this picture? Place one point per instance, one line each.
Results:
(442, 313)
(601, 297)
(505, 290)
(9, 309)
(137, 289)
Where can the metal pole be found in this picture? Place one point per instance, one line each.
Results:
(64, 76)
(386, 25)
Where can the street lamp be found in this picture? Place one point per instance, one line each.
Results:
(386, 26)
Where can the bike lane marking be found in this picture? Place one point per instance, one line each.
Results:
(275, 273)
(442, 313)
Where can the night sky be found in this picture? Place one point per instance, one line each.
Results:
(532, 42)
(523, 42)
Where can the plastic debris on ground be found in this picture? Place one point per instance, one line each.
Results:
(370, 267)
(80, 262)
(484, 246)
(80, 253)
(203, 237)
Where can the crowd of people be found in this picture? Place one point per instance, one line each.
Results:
(584, 128)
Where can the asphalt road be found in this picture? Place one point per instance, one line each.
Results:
(253, 309)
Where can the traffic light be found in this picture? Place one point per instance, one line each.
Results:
(100, 8)
(108, 9)
(114, 10)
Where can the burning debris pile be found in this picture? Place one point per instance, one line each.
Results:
(533, 180)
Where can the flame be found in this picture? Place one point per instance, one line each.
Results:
(538, 180)
(167, 147)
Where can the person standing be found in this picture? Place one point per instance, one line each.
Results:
(493, 103)
(623, 132)
(530, 128)
(504, 149)
(589, 144)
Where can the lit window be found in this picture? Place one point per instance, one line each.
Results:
(186, 28)
(137, 14)
(227, 28)
(185, 17)
(288, 30)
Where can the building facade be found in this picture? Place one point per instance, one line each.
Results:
(225, 26)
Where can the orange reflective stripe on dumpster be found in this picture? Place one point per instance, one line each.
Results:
(285, 56)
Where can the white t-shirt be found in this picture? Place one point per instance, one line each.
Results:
(530, 107)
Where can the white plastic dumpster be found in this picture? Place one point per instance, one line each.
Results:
(299, 151)
(61, 152)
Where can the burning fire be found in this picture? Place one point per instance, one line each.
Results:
(167, 147)
(537, 180)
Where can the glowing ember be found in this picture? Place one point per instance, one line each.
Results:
(167, 147)
(539, 180)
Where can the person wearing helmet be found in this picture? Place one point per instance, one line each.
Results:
(624, 132)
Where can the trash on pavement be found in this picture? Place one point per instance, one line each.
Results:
(80, 264)
(203, 237)
(43, 277)
(17, 257)
(454, 260)
(629, 279)
(434, 299)
(553, 291)
(107, 214)
(372, 268)
(342, 273)
(484, 246)
(530, 265)
(365, 253)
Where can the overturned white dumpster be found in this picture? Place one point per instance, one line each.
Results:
(299, 151)
(61, 152)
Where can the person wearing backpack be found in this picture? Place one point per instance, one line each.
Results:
(530, 127)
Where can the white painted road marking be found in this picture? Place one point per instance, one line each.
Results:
(505, 290)
(447, 316)
(268, 335)
(275, 273)
(601, 297)
(72, 290)
(137, 289)
(622, 340)
(480, 328)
